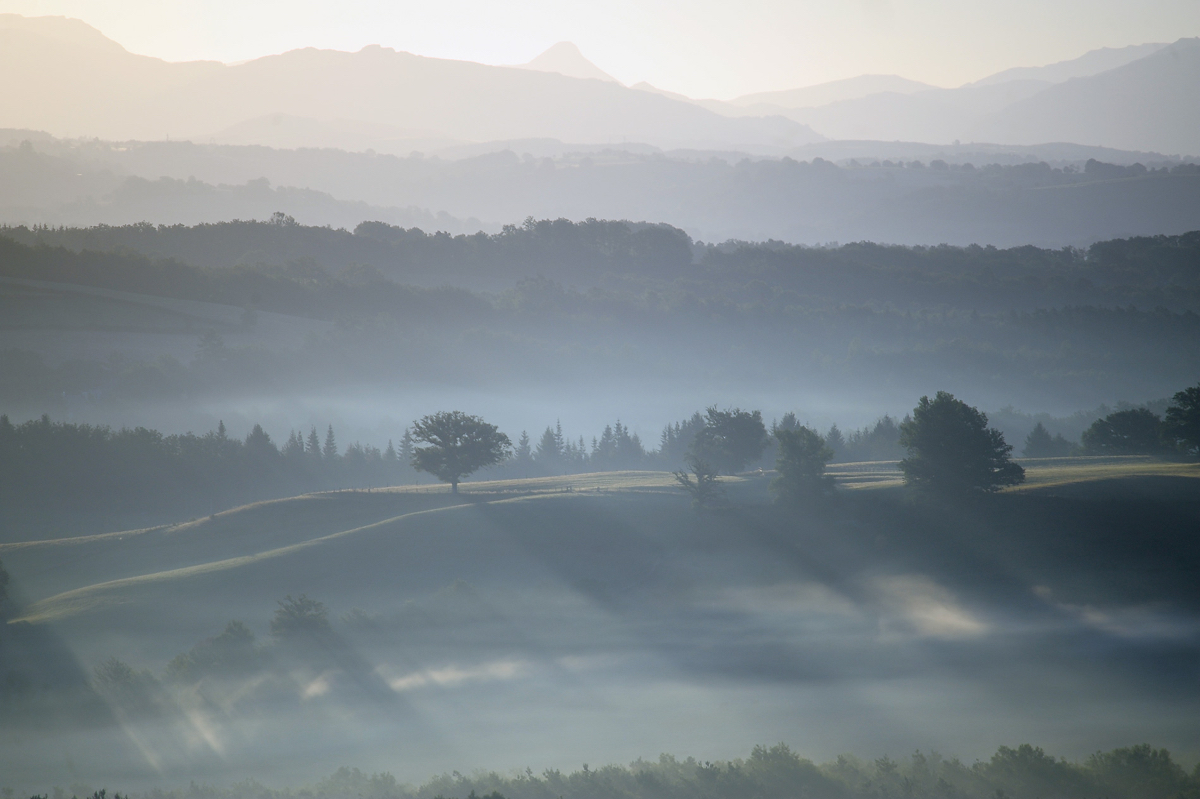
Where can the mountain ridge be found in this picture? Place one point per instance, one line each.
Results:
(117, 95)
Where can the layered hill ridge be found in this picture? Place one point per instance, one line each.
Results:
(1138, 96)
(63, 77)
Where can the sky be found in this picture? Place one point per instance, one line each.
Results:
(703, 48)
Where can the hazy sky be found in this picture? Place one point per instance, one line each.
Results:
(704, 48)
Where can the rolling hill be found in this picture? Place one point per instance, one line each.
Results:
(458, 630)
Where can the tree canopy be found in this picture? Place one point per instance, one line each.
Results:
(458, 445)
(295, 618)
(1183, 419)
(1136, 431)
(803, 454)
(730, 439)
(951, 449)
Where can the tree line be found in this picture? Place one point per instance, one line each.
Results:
(79, 467)
(252, 263)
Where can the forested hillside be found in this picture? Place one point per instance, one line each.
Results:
(594, 303)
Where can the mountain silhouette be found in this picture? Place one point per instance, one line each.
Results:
(52, 83)
(565, 59)
(1150, 102)
(1090, 63)
(1146, 103)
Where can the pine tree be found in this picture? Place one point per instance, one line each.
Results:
(330, 451)
(405, 453)
(549, 452)
(391, 466)
(1038, 443)
(835, 441)
(294, 448)
(523, 457)
(313, 448)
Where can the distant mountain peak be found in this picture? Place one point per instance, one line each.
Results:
(71, 31)
(1090, 63)
(566, 59)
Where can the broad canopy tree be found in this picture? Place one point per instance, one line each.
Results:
(1136, 431)
(458, 445)
(730, 439)
(951, 449)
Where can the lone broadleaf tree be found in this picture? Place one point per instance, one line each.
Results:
(458, 445)
(951, 449)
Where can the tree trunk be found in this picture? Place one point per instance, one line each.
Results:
(453, 486)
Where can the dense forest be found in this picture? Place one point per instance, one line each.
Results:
(1148, 271)
(597, 304)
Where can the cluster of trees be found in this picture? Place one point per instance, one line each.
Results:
(1140, 431)
(60, 466)
(946, 446)
(616, 448)
(300, 629)
(1129, 431)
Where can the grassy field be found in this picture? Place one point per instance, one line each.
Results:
(67, 577)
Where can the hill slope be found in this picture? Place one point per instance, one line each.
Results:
(540, 619)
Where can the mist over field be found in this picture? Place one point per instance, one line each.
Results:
(424, 425)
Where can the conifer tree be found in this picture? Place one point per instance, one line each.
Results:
(549, 452)
(835, 441)
(330, 451)
(523, 457)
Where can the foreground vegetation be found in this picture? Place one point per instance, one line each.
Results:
(1020, 772)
